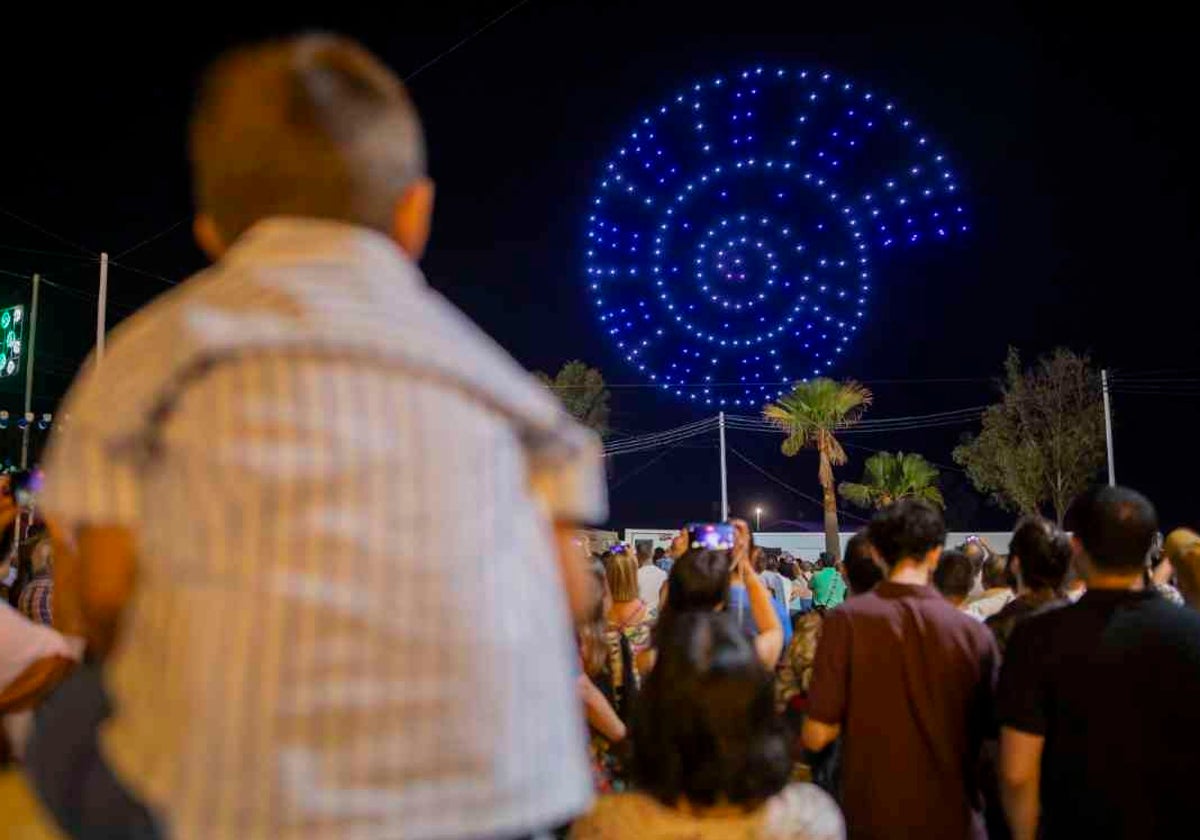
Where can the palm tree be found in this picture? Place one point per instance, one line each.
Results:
(889, 477)
(809, 416)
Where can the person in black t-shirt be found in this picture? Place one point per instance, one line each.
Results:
(1099, 702)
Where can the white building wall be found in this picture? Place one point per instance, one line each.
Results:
(808, 546)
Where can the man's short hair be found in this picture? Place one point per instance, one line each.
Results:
(862, 572)
(908, 529)
(311, 125)
(1116, 526)
(954, 576)
(644, 552)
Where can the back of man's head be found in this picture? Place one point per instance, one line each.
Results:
(644, 554)
(954, 576)
(862, 572)
(311, 126)
(906, 530)
(1116, 527)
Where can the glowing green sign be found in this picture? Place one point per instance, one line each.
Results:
(12, 330)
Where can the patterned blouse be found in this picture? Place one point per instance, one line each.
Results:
(35, 599)
(638, 629)
(796, 666)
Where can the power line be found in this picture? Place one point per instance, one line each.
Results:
(478, 31)
(872, 449)
(784, 484)
(643, 467)
(671, 435)
(143, 272)
(44, 253)
(950, 414)
(150, 239)
(48, 232)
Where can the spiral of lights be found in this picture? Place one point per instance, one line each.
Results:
(734, 233)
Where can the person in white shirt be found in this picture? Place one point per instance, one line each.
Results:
(997, 589)
(258, 479)
(650, 578)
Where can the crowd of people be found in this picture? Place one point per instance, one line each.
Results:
(954, 693)
(320, 576)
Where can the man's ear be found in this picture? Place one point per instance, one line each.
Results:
(412, 217)
(208, 237)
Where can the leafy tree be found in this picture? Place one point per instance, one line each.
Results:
(810, 416)
(582, 392)
(1043, 443)
(888, 477)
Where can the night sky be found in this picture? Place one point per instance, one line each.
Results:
(1075, 152)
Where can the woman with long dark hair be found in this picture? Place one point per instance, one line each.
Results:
(710, 758)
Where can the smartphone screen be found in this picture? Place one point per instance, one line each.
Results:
(711, 535)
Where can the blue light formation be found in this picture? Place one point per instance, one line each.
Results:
(737, 230)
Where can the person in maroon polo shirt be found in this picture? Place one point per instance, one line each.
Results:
(908, 682)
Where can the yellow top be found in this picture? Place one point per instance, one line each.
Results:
(21, 815)
(799, 812)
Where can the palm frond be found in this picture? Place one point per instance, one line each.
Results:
(857, 494)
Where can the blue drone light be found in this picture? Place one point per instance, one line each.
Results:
(732, 237)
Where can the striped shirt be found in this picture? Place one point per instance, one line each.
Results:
(348, 619)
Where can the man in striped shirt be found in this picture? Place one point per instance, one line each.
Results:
(322, 521)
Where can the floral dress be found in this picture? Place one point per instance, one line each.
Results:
(608, 770)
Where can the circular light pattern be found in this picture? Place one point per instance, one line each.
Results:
(734, 233)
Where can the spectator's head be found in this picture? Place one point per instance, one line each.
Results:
(659, 553)
(976, 552)
(699, 580)
(954, 576)
(1041, 554)
(758, 559)
(41, 554)
(593, 646)
(862, 572)
(644, 554)
(311, 126)
(620, 568)
(787, 567)
(994, 573)
(1182, 548)
(1115, 528)
(1187, 567)
(909, 531)
(680, 543)
(826, 560)
(1177, 542)
(704, 730)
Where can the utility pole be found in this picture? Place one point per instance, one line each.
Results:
(1108, 437)
(724, 474)
(33, 319)
(101, 306)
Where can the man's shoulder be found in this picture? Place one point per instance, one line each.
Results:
(1180, 624)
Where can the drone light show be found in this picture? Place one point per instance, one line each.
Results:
(738, 229)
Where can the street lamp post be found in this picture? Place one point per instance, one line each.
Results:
(758, 518)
